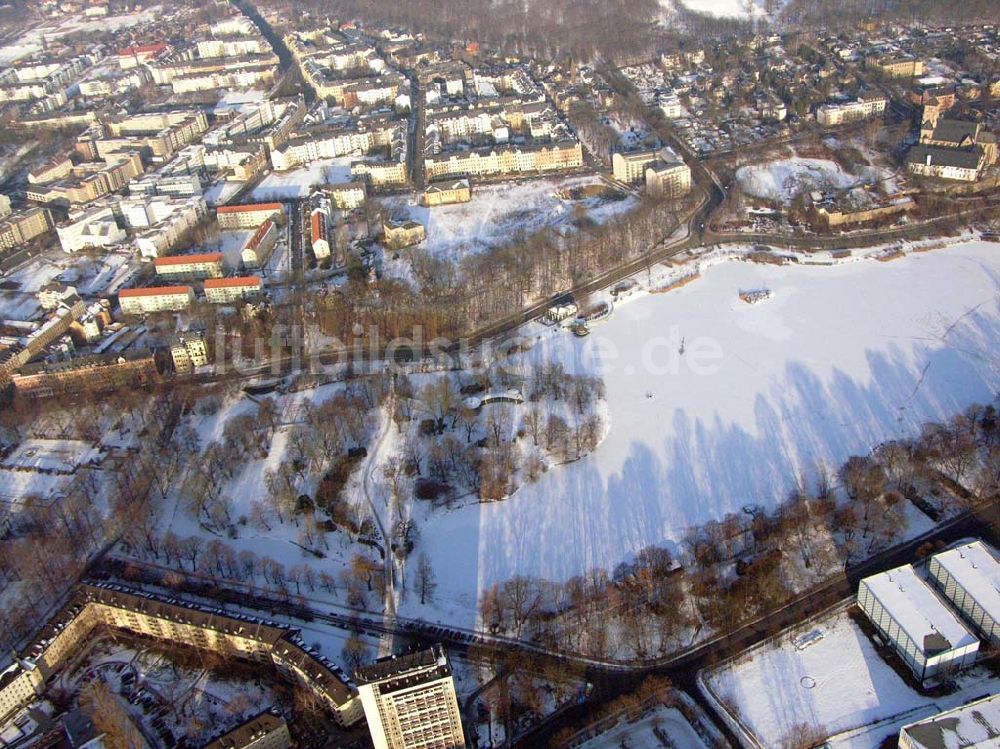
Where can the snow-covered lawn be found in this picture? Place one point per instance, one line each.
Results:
(298, 183)
(839, 360)
(727, 8)
(497, 211)
(839, 685)
(33, 40)
(640, 734)
(782, 180)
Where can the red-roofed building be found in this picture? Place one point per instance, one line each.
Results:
(246, 216)
(155, 299)
(206, 265)
(229, 290)
(320, 240)
(260, 246)
(131, 57)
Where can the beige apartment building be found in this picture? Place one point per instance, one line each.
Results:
(347, 196)
(831, 115)
(205, 629)
(398, 234)
(505, 160)
(155, 299)
(22, 227)
(200, 266)
(264, 731)
(410, 703)
(188, 353)
(630, 168)
(668, 179)
(229, 290)
(83, 375)
(248, 216)
(445, 193)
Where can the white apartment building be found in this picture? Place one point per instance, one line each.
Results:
(305, 150)
(96, 227)
(5, 209)
(155, 299)
(969, 577)
(923, 630)
(232, 47)
(229, 290)
(380, 173)
(347, 196)
(259, 247)
(505, 160)
(831, 115)
(630, 168)
(410, 702)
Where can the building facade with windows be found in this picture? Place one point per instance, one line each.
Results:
(410, 702)
(229, 290)
(155, 299)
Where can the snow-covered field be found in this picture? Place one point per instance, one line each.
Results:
(497, 211)
(729, 8)
(298, 183)
(782, 180)
(839, 685)
(840, 359)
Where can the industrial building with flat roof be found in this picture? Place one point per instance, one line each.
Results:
(972, 726)
(969, 577)
(922, 629)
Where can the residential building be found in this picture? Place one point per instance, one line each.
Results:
(229, 290)
(20, 228)
(50, 295)
(922, 629)
(398, 234)
(380, 173)
(246, 216)
(896, 67)
(85, 375)
(630, 168)
(260, 246)
(503, 160)
(187, 625)
(444, 193)
(5, 210)
(975, 725)
(867, 108)
(155, 299)
(264, 731)
(188, 353)
(962, 165)
(969, 577)
(206, 265)
(347, 196)
(96, 227)
(410, 703)
(318, 232)
(20, 684)
(50, 171)
(669, 179)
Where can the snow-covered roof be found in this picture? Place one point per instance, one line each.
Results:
(916, 607)
(971, 726)
(975, 569)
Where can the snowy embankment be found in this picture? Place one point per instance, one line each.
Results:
(730, 8)
(781, 181)
(842, 358)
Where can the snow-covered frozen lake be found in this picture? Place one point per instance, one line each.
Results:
(840, 359)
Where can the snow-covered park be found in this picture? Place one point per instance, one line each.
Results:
(830, 677)
(496, 212)
(840, 359)
(781, 181)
